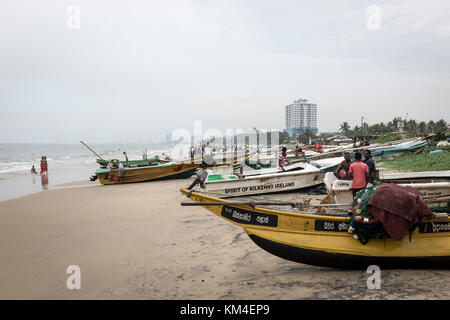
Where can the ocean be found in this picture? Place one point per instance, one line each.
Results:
(66, 163)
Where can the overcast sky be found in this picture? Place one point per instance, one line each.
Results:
(136, 70)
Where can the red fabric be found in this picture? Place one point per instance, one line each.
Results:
(398, 208)
(358, 169)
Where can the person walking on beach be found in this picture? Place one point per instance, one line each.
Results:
(282, 161)
(371, 164)
(360, 174)
(344, 167)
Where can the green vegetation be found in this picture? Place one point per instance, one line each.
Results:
(388, 137)
(420, 162)
(412, 128)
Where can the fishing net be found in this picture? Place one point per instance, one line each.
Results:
(362, 224)
(387, 224)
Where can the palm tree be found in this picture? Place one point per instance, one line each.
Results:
(441, 125)
(345, 128)
(422, 127)
(411, 126)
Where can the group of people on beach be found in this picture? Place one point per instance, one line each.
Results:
(44, 166)
(363, 143)
(359, 171)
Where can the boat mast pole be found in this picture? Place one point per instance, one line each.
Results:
(92, 150)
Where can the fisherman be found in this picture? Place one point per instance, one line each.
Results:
(120, 171)
(371, 164)
(200, 177)
(126, 157)
(282, 161)
(144, 155)
(359, 172)
(33, 170)
(344, 167)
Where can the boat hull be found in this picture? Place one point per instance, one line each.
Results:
(347, 261)
(343, 193)
(149, 173)
(323, 240)
(277, 183)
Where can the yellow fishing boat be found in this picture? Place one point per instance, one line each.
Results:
(322, 239)
(158, 171)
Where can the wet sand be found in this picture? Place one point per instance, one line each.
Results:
(135, 241)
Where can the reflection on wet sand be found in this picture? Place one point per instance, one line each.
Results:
(44, 181)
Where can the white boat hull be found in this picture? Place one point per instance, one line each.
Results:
(343, 193)
(280, 182)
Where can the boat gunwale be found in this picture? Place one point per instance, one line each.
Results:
(299, 214)
(161, 165)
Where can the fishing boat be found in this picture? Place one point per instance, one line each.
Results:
(132, 163)
(294, 177)
(429, 184)
(270, 161)
(322, 239)
(157, 171)
(406, 147)
(377, 150)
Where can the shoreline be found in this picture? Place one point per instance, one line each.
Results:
(17, 184)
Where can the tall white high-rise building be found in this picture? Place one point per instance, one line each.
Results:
(301, 116)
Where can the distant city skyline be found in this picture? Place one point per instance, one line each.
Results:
(104, 72)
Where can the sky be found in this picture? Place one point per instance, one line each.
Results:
(134, 71)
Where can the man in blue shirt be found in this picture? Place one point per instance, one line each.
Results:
(371, 164)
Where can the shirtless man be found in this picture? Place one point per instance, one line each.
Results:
(344, 166)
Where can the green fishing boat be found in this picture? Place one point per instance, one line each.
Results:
(132, 163)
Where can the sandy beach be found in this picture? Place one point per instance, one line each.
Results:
(135, 241)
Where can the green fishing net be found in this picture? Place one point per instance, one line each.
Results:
(366, 229)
